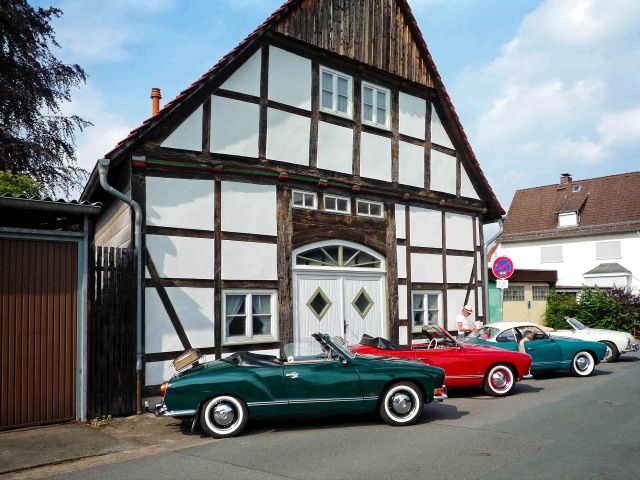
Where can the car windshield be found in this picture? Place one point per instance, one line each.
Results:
(575, 324)
(338, 345)
(441, 336)
(484, 333)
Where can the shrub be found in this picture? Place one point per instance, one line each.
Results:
(615, 309)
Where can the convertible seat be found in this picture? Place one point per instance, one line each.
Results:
(248, 359)
(382, 343)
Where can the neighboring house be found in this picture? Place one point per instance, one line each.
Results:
(316, 179)
(588, 230)
(525, 299)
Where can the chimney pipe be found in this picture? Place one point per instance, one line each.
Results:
(565, 178)
(155, 100)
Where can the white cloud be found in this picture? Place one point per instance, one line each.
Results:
(561, 95)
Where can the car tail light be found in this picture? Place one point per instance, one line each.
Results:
(163, 389)
(440, 391)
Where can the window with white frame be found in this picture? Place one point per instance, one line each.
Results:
(368, 208)
(336, 204)
(335, 92)
(249, 316)
(567, 219)
(426, 309)
(376, 105)
(301, 199)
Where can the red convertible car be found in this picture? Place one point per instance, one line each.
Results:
(495, 369)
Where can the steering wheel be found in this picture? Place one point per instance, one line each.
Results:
(432, 344)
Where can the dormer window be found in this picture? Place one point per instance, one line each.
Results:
(567, 219)
(335, 92)
(576, 188)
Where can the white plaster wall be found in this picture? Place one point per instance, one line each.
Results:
(411, 165)
(459, 231)
(412, 115)
(248, 208)
(335, 148)
(455, 302)
(289, 78)
(438, 133)
(466, 187)
(180, 203)
(402, 261)
(157, 372)
(246, 79)
(375, 157)
(478, 223)
(400, 221)
(459, 269)
(480, 311)
(188, 135)
(426, 227)
(403, 335)
(426, 268)
(181, 257)
(234, 127)
(579, 256)
(479, 267)
(159, 333)
(443, 172)
(249, 260)
(195, 309)
(402, 302)
(287, 137)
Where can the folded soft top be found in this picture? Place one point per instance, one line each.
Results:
(248, 359)
(382, 343)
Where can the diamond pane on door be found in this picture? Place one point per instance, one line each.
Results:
(362, 303)
(319, 304)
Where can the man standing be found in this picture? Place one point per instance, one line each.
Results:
(464, 323)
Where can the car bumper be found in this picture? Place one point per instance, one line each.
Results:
(161, 411)
(634, 347)
(440, 394)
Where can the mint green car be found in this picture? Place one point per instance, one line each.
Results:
(578, 356)
(221, 395)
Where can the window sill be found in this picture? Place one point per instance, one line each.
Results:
(249, 340)
(336, 113)
(379, 126)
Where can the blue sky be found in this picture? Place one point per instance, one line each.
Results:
(541, 86)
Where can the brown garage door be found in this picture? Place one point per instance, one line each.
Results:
(38, 309)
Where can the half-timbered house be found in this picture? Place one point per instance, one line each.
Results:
(317, 178)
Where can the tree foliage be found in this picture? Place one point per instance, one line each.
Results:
(18, 184)
(615, 309)
(36, 139)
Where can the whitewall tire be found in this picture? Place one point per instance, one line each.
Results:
(223, 416)
(582, 364)
(612, 353)
(402, 404)
(499, 381)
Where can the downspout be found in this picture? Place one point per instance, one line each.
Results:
(487, 245)
(103, 168)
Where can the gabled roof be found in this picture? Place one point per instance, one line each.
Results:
(270, 23)
(608, 268)
(605, 205)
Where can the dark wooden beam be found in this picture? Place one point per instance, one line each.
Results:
(206, 124)
(179, 282)
(285, 247)
(357, 128)
(249, 237)
(407, 233)
(427, 148)
(249, 284)
(264, 100)
(392, 273)
(178, 232)
(315, 108)
(217, 268)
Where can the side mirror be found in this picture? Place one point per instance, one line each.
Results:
(343, 360)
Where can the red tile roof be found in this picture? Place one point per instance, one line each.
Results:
(605, 205)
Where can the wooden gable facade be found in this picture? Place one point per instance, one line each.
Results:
(316, 179)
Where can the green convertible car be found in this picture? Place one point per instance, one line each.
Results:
(578, 356)
(330, 380)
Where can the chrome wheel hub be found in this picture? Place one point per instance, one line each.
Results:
(401, 403)
(582, 363)
(499, 379)
(223, 414)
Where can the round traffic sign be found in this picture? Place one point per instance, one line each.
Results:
(503, 267)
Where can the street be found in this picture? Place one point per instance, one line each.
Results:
(554, 426)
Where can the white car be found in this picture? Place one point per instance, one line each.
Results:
(617, 342)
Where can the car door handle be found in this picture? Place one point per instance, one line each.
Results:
(530, 349)
(292, 375)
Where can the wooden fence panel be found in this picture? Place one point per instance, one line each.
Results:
(112, 334)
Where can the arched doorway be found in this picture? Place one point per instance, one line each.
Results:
(339, 289)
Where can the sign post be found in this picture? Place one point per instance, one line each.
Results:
(502, 268)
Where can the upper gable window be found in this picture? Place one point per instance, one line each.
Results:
(301, 199)
(335, 92)
(375, 105)
(336, 204)
(567, 219)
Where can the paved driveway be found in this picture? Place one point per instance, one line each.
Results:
(555, 426)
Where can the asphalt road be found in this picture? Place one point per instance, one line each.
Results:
(554, 426)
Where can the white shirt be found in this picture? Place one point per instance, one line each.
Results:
(465, 321)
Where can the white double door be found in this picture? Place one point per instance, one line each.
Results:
(339, 304)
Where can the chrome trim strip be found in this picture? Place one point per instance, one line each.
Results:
(264, 404)
(310, 400)
(179, 413)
